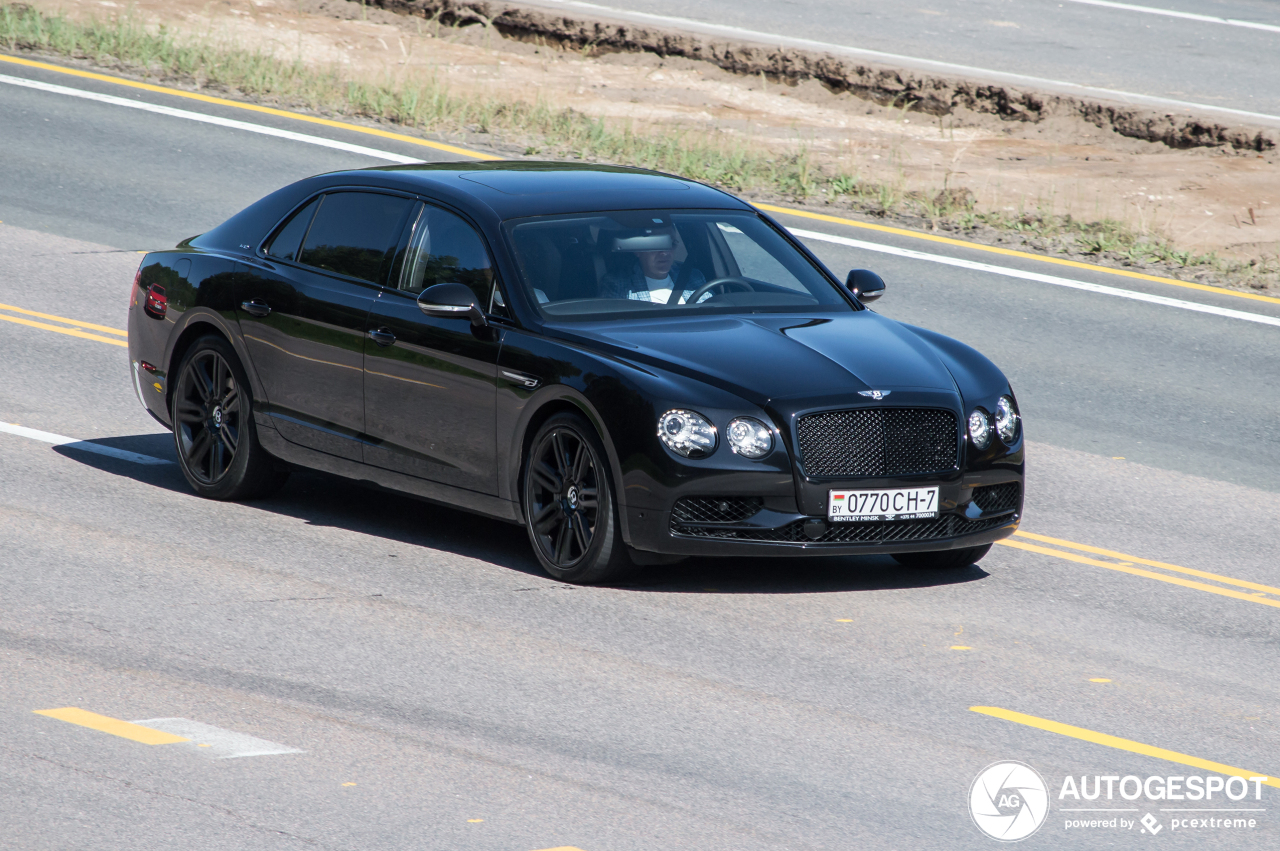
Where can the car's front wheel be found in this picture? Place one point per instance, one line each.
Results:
(943, 559)
(213, 430)
(569, 504)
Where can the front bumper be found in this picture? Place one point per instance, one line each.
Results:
(976, 510)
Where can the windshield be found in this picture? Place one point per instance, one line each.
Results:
(597, 265)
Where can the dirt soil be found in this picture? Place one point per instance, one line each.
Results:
(1222, 199)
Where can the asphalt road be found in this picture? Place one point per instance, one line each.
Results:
(445, 694)
(1131, 47)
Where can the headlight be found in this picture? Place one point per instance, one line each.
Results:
(979, 429)
(1006, 419)
(687, 433)
(749, 438)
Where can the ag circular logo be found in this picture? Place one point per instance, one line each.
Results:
(1008, 801)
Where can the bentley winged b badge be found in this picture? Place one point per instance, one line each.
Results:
(875, 394)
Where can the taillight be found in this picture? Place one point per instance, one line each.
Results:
(157, 302)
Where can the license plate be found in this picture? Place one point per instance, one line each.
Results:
(896, 504)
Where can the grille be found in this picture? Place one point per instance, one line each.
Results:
(879, 442)
(715, 509)
(997, 497)
(946, 526)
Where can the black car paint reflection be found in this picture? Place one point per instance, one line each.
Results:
(349, 375)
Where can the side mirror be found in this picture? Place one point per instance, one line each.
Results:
(452, 301)
(865, 285)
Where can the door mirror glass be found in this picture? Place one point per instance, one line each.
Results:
(865, 285)
(452, 301)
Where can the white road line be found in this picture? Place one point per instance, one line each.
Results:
(1170, 13)
(373, 152)
(1017, 80)
(1036, 276)
(209, 119)
(82, 445)
(215, 742)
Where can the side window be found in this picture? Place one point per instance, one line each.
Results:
(288, 238)
(354, 232)
(447, 250)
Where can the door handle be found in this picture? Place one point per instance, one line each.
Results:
(255, 307)
(382, 337)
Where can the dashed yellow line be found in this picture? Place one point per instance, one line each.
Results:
(104, 724)
(1121, 744)
(251, 107)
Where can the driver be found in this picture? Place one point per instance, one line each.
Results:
(653, 273)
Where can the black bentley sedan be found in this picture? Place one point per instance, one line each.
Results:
(633, 366)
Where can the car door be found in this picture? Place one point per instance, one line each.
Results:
(430, 383)
(303, 311)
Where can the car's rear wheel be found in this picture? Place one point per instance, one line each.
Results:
(569, 504)
(943, 559)
(213, 430)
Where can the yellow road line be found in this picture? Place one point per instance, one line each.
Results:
(1137, 571)
(251, 107)
(1119, 743)
(1009, 252)
(102, 723)
(467, 152)
(75, 322)
(1216, 577)
(68, 331)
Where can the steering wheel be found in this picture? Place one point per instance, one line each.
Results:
(723, 284)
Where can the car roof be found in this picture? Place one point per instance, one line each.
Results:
(518, 188)
(494, 191)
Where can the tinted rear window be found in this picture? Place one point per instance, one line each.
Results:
(353, 233)
(285, 244)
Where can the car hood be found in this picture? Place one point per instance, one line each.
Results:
(772, 357)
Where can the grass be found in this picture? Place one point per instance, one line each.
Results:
(431, 105)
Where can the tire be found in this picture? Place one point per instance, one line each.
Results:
(213, 430)
(943, 559)
(569, 505)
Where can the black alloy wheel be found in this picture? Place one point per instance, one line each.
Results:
(208, 423)
(213, 429)
(569, 506)
(943, 559)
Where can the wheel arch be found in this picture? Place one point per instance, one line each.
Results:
(201, 323)
(562, 399)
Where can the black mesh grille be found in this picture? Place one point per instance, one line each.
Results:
(715, 509)
(997, 497)
(946, 526)
(879, 442)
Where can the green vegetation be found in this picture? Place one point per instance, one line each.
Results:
(1105, 237)
(429, 104)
